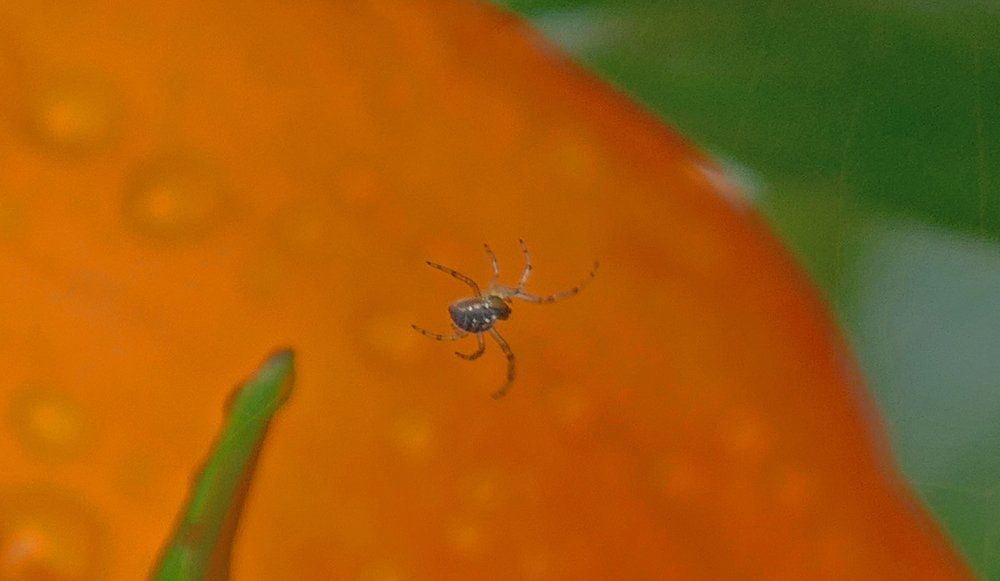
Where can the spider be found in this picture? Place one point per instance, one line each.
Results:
(478, 315)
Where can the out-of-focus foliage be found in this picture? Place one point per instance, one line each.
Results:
(893, 103)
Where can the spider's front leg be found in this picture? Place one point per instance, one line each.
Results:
(472, 284)
(438, 336)
(560, 295)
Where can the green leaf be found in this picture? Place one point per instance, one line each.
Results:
(200, 547)
(892, 104)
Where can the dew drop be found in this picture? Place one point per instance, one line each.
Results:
(414, 436)
(176, 198)
(78, 113)
(48, 535)
(48, 423)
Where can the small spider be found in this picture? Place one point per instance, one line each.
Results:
(478, 314)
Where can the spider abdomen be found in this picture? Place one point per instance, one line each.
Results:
(478, 314)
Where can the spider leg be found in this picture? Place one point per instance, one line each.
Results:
(527, 265)
(458, 275)
(477, 353)
(438, 336)
(560, 295)
(510, 363)
(494, 263)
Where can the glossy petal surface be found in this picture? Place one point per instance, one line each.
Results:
(172, 171)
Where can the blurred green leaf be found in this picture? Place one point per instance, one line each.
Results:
(892, 103)
(201, 545)
(926, 328)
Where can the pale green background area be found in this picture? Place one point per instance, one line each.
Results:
(868, 133)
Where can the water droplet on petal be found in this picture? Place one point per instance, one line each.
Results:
(48, 535)
(414, 436)
(48, 423)
(78, 113)
(175, 199)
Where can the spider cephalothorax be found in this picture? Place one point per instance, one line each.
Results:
(478, 314)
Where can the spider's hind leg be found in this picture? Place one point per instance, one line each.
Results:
(511, 370)
(475, 354)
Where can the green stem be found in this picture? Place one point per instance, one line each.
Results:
(201, 545)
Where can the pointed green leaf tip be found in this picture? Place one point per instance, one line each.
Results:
(202, 542)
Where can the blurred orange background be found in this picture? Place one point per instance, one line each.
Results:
(185, 186)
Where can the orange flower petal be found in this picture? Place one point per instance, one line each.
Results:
(186, 185)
